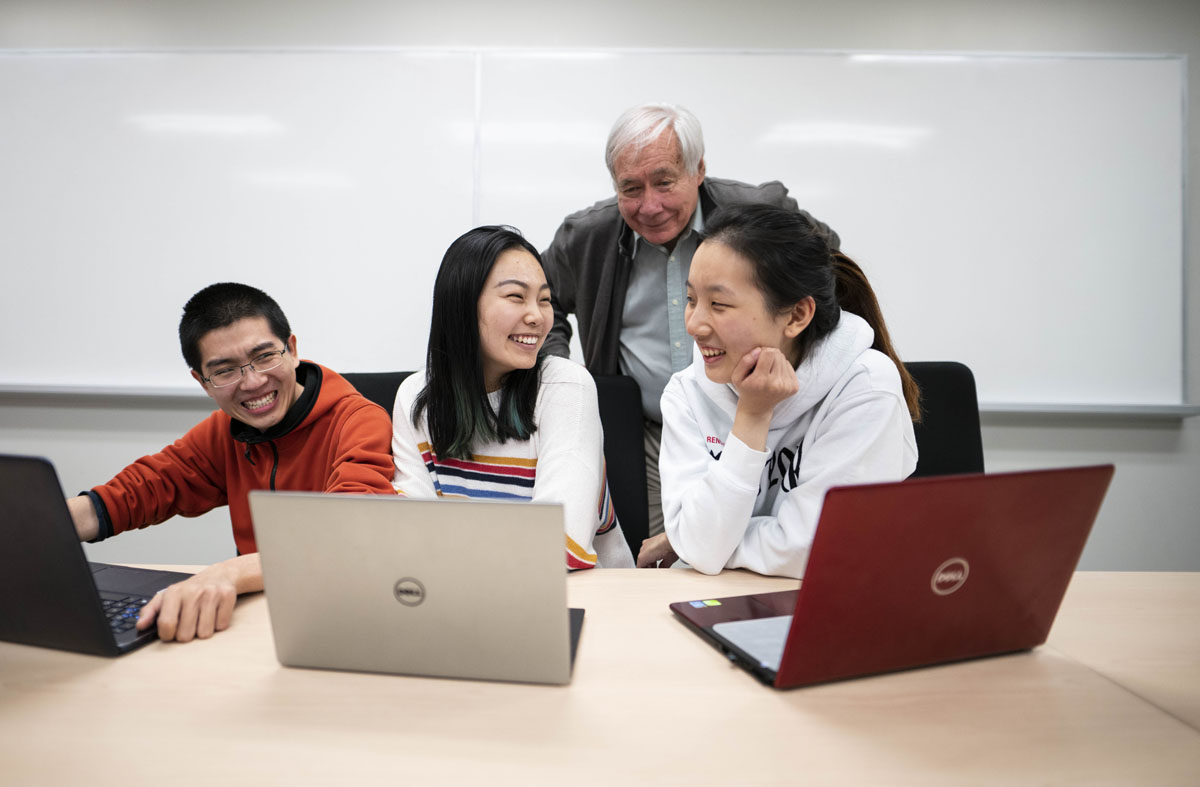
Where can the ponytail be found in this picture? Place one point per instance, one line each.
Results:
(854, 294)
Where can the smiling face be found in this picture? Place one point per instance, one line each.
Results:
(258, 399)
(655, 195)
(514, 315)
(727, 315)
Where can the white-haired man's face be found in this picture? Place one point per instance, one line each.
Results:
(655, 195)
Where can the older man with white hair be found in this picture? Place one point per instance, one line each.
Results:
(621, 265)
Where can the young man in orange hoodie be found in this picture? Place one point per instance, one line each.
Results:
(283, 423)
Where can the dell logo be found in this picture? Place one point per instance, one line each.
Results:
(950, 576)
(408, 591)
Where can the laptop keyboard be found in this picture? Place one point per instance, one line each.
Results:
(122, 611)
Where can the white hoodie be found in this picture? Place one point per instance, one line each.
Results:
(728, 506)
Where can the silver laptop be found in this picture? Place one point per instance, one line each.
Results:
(444, 588)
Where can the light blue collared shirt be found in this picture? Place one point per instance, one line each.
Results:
(654, 305)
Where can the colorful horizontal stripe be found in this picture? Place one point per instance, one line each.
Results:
(470, 492)
(508, 478)
(488, 477)
(578, 557)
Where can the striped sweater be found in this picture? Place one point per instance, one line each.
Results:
(563, 462)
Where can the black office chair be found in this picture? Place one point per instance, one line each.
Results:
(625, 454)
(379, 387)
(948, 436)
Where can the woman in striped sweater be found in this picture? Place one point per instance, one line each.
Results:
(490, 416)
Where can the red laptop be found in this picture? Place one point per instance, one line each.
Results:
(915, 573)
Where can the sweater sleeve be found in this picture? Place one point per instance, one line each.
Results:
(185, 478)
(570, 468)
(706, 503)
(411, 477)
(862, 440)
(362, 462)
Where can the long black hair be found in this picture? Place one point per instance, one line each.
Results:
(792, 260)
(455, 396)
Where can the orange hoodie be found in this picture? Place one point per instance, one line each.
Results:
(333, 440)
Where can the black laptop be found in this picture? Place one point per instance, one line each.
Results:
(50, 595)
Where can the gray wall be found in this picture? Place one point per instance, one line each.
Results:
(1150, 520)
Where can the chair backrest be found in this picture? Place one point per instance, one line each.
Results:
(948, 436)
(625, 454)
(379, 387)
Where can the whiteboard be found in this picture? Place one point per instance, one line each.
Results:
(1022, 214)
(332, 181)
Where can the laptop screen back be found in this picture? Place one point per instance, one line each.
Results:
(444, 588)
(938, 569)
(914, 573)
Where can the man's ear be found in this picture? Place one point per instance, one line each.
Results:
(801, 315)
(291, 345)
(700, 170)
(196, 376)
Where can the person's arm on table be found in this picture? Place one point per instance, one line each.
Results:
(195, 607)
(202, 605)
(570, 466)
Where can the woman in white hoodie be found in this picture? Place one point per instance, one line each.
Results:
(794, 388)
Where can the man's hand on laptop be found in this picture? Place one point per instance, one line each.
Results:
(202, 605)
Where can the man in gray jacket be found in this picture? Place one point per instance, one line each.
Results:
(621, 265)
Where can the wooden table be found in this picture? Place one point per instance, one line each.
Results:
(1114, 697)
